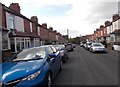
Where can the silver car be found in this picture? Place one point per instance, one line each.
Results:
(97, 47)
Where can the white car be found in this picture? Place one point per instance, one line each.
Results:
(97, 47)
(116, 47)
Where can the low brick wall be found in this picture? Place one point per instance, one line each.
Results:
(109, 46)
(5, 55)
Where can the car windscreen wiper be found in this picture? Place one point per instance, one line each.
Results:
(27, 59)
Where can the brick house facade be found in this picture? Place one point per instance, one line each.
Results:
(108, 33)
(19, 32)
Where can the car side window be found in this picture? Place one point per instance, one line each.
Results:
(50, 50)
(54, 49)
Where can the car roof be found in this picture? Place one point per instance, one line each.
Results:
(96, 43)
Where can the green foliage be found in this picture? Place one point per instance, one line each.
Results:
(74, 40)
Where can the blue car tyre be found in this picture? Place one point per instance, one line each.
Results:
(61, 66)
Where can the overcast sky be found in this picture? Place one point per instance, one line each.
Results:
(81, 17)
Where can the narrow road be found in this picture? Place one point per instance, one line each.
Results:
(86, 68)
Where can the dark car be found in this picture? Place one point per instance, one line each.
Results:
(35, 66)
(63, 52)
(69, 47)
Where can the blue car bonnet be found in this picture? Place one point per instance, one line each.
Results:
(16, 70)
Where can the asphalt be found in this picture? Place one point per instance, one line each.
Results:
(86, 68)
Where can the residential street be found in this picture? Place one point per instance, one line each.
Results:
(86, 68)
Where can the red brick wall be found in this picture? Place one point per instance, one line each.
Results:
(15, 7)
(105, 31)
(27, 25)
(34, 18)
(4, 19)
(1, 14)
(115, 17)
(34, 28)
(44, 32)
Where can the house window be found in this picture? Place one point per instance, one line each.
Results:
(112, 38)
(12, 22)
(27, 42)
(36, 42)
(115, 25)
(30, 26)
(38, 30)
(19, 43)
(101, 33)
(56, 37)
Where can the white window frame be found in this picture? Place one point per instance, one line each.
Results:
(36, 42)
(31, 27)
(27, 40)
(22, 40)
(101, 33)
(38, 28)
(12, 21)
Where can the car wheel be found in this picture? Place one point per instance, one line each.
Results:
(113, 48)
(71, 49)
(65, 59)
(61, 66)
(92, 51)
(49, 80)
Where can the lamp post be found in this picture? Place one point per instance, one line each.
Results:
(68, 33)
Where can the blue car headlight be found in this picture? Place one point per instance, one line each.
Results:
(32, 76)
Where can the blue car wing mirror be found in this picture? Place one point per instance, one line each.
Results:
(52, 55)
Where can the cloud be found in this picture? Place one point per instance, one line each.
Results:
(79, 16)
(55, 10)
(101, 11)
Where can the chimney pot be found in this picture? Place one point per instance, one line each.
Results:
(15, 7)
(115, 17)
(34, 18)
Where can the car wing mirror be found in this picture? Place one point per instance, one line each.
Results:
(52, 55)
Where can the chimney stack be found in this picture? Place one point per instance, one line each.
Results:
(15, 7)
(115, 17)
(34, 19)
(101, 26)
(44, 25)
(50, 29)
(107, 23)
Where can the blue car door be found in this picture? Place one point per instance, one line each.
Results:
(52, 62)
(58, 60)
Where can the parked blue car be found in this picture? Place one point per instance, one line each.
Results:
(63, 52)
(35, 66)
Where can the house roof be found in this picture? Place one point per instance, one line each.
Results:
(116, 32)
(7, 9)
(23, 34)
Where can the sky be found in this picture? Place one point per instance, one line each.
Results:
(80, 17)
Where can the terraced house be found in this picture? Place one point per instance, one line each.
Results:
(18, 31)
(109, 33)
